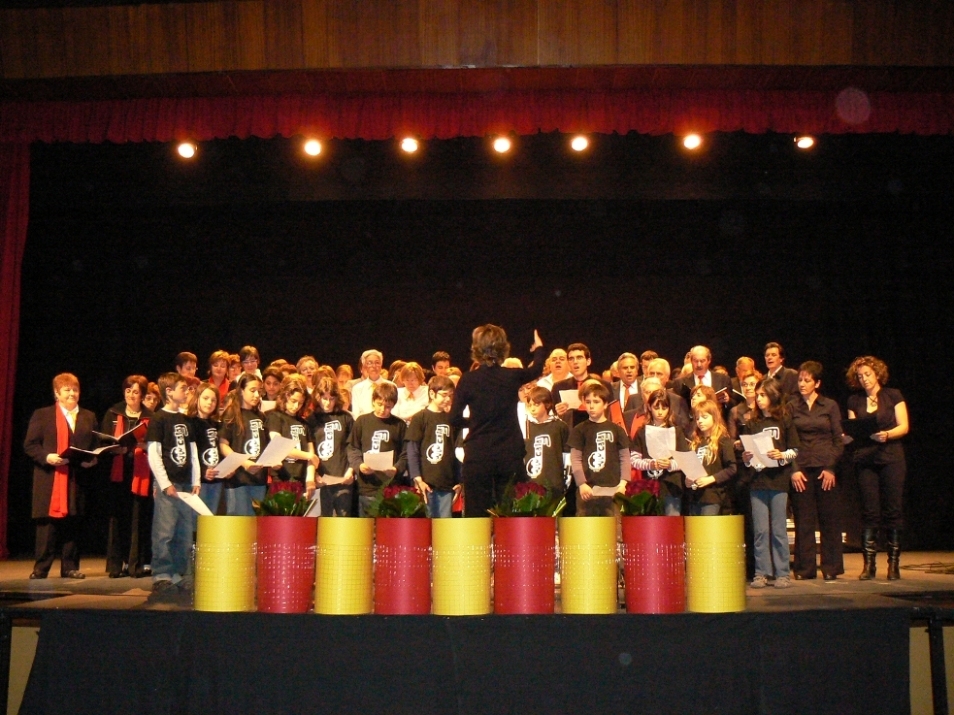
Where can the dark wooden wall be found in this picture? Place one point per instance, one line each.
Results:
(350, 34)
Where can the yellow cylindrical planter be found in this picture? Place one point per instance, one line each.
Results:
(460, 581)
(225, 563)
(715, 564)
(588, 570)
(343, 565)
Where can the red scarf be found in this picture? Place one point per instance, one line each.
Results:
(60, 498)
(141, 475)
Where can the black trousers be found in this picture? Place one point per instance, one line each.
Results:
(817, 510)
(882, 495)
(48, 532)
(485, 481)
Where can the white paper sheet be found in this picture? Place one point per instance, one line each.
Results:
(329, 481)
(195, 502)
(660, 441)
(226, 468)
(758, 445)
(276, 451)
(571, 398)
(267, 405)
(604, 491)
(379, 461)
(690, 465)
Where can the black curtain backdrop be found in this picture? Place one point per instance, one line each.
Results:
(132, 257)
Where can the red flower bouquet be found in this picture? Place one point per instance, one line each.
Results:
(641, 498)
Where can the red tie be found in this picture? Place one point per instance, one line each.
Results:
(625, 395)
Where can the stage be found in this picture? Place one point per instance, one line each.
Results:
(841, 647)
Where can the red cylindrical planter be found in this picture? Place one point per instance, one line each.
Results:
(524, 562)
(285, 562)
(654, 564)
(402, 566)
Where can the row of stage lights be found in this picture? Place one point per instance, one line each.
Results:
(501, 145)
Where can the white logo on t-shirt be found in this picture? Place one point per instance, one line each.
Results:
(597, 459)
(435, 453)
(535, 465)
(327, 446)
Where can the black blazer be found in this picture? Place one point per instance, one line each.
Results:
(41, 441)
(788, 379)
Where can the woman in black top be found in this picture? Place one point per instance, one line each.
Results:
(881, 466)
(816, 501)
(493, 448)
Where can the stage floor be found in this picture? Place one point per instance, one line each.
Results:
(924, 575)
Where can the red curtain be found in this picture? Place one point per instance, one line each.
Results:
(14, 210)
(427, 115)
(443, 116)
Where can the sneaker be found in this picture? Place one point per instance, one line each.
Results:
(759, 582)
(783, 582)
(186, 584)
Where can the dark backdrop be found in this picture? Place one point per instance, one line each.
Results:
(133, 256)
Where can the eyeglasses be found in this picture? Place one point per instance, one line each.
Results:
(250, 361)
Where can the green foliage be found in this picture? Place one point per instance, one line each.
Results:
(529, 499)
(283, 503)
(402, 502)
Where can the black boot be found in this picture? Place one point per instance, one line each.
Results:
(869, 547)
(894, 554)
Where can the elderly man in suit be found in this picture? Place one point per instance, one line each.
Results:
(58, 498)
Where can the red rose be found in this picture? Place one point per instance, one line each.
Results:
(521, 489)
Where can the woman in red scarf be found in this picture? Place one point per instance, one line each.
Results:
(58, 498)
(130, 503)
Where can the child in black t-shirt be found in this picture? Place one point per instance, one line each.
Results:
(202, 410)
(331, 427)
(175, 464)
(285, 421)
(377, 431)
(430, 450)
(599, 452)
(547, 440)
(243, 431)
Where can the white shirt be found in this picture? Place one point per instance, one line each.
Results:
(410, 403)
(361, 396)
(70, 416)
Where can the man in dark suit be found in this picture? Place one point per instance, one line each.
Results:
(58, 494)
(701, 358)
(659, 369)
(775, 364)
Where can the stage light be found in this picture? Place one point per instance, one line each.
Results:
(501, 145)
(186, 150)
(409, 144)
(579, 143)
(692, 141)
(804, 142)
(312, 147)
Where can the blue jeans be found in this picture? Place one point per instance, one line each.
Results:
(771, 536)
(238, 500)
(211, 494)
(439, 504)
(702, 509)
(672, 506)
(173, 522)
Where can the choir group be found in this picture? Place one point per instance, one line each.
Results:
(752, 443)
